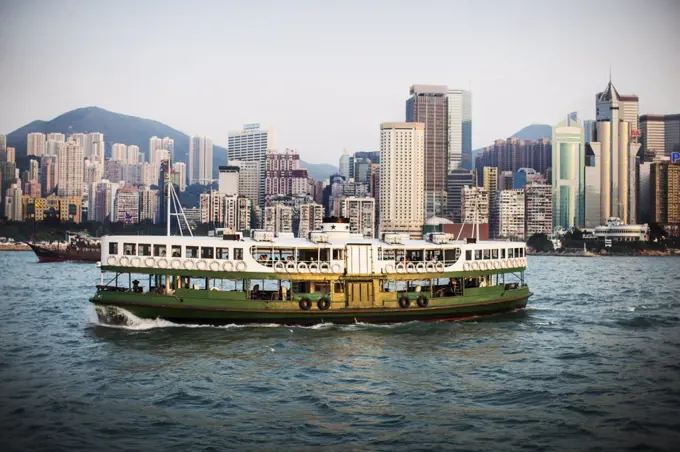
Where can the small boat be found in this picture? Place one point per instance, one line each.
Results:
(76, 248)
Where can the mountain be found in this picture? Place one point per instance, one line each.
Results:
(120, 128)
(534, 132)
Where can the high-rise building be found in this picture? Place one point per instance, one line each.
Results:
(148, 204)
(456, 180)
(428, 105)
(228, 180)
(592, 193)
(525, 176)
(511, 214)
(568, 174)
(251, 145)
(168, 144)
(344, 164)
(93, 147)
(34, 170)
(13, 205)
(249, 179)
(126, 206)
(132, 155)
(237, 213)
(282, 172)
(278, 219)
(35, 144)
(475, 205)
(179, 174)
(3, 146)
(212, 207)
(155, 144)
(506, 180)
(70, 172)
(200, 160)
(459, 129)
(652, 133)
(54, 142)
(643, 195)
(311, 219)
(361, 214)
(101, 201)
(665, 192)
(402, 179)
(490, 179)
(31, 188)
(119, 152)
(538, 209)
(146, 176)
(10, 155)
(48, 174)
(672, 133)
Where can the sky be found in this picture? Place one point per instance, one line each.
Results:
(323, 74)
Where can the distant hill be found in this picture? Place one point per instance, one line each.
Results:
(120, 128)
(530, 132)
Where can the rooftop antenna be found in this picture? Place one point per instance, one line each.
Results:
(610, 73)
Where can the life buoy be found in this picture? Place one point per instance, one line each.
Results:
(290, 267)
(475, 266)
(228, 266)
(135, 261)
(201, 265)
(482, 266)
(404, 301)
(325, 268)
(189, 264)
(420, 267)
(431, 267)
(305, 304)
(241, 266)
(410, 267)
(504, 264)
(497, 265)
(279, 267)
(314, 267)
(215, 266)
(323, 304)
(423, 301)
(389, 268)
(302, 267)
(176, 264)
(439, 266)
(336, 268)
(111, 260)
(400, 267)
(124, 261)
(149, 262)
(162, 263)
(466, 266)
(516, 261)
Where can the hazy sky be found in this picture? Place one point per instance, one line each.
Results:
(326, 74)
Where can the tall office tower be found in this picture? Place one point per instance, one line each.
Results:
(588, 130)
(402, 178)
(643, 194)
(538, 209)
(251, 145)
(311, 219)
(428, 105)
(200, 160)
(48, 174)
(35, 144)
(155, 144)
(179, 174)
(212, 206)
(456, 180)
(344, 164)
(228, 180)
(101, 201)
(33, 170)
(672, 133)
(119, 152)
(511, 214)
(568, 174)
(94, 147)
(70, 172)
(279, 173)
(148, 204)
(361, 214)
(132, 155)
(459, 129)
(54, 142)
(237, 213)
(592, 186)
(168, 144)
(652, 133)
(278, 219)
(249, 179)
(491, 187)
(475, 205)
(505, 182)
(126, 206)
(617, 121)
(665, 192)
(13, 210)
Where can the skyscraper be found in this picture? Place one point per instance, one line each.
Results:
(428, 105)
(70, 172)
(361, 214)
(228, 180)
(311, 219)
(126, 206)
(475, 205)
(35, 144)
(511, 214)
(278, 219)
(155, 144)
(592, 193)
(665, 192)
(101, 201)
(251, 145)
(344, 164)
(179, 173)
(459, 129)
(48, 174)
(568, 174)
(249, 179)
(652, 133)
(13, 210)
(491, 187)
(672, 133)
(119, 152)
(168, 144)
(200, 160)
(148, 205)
(456, 180)
(132, 156)
(402, 167)
(537, 209)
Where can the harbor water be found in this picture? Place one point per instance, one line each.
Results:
(592, 364)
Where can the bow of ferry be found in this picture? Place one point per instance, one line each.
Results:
(332, 276)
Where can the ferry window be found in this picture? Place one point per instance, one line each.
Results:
(478, 255)
(337, 254)
(516, 252)
(494, 253)
(468, 255)
(144, 249)
(191, 252)
(238, 254)
(176, 251)
(511, 253)
(222, 253)
(502, 253)
(487, 254)
(339, 287)
(113, 247)
(160, 250)
(129, 249)
(207, 252)
(521, 252)
(388, 255)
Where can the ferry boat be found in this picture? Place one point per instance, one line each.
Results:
(332, 276)
(76, 248)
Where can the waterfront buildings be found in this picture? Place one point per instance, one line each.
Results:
(459, 129)
(200, 160)
(311, 219)
(402, 165)
(491, 186)
(665, 192)
(65, 209)
(592, 192)
(249, 179)
(283, 176)
(70, 170)
(126, 206)
(456, 180)
(102, 195)
(148, 204)
(361, 214)
(13, 207)
(568, 174)
(251, 145)
(278, 218)
(228, 180)
(538, 209)
(237, 213)
(652, 133)
(475, 205)
(511, 214)
(616, 231)
(672, 133)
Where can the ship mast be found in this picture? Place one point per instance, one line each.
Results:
(172, 199)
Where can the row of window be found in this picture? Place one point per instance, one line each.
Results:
(494, 253)
(193, 252)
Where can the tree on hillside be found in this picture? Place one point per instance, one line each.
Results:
(540, 242)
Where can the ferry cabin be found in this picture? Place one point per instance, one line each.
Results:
(332, 270)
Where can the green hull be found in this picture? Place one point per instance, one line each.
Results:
(211, 307)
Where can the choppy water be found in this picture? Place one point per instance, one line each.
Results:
(593, 364)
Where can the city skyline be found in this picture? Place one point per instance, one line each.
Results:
(338, 61)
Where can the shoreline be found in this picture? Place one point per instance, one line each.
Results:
(637, 253)
(14, 247)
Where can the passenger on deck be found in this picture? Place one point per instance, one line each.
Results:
(284, 292)
(255, 294)
(135, 287)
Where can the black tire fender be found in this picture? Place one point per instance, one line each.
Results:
(305, 304)
(404, 301)
(423, 301)
(323, 304)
